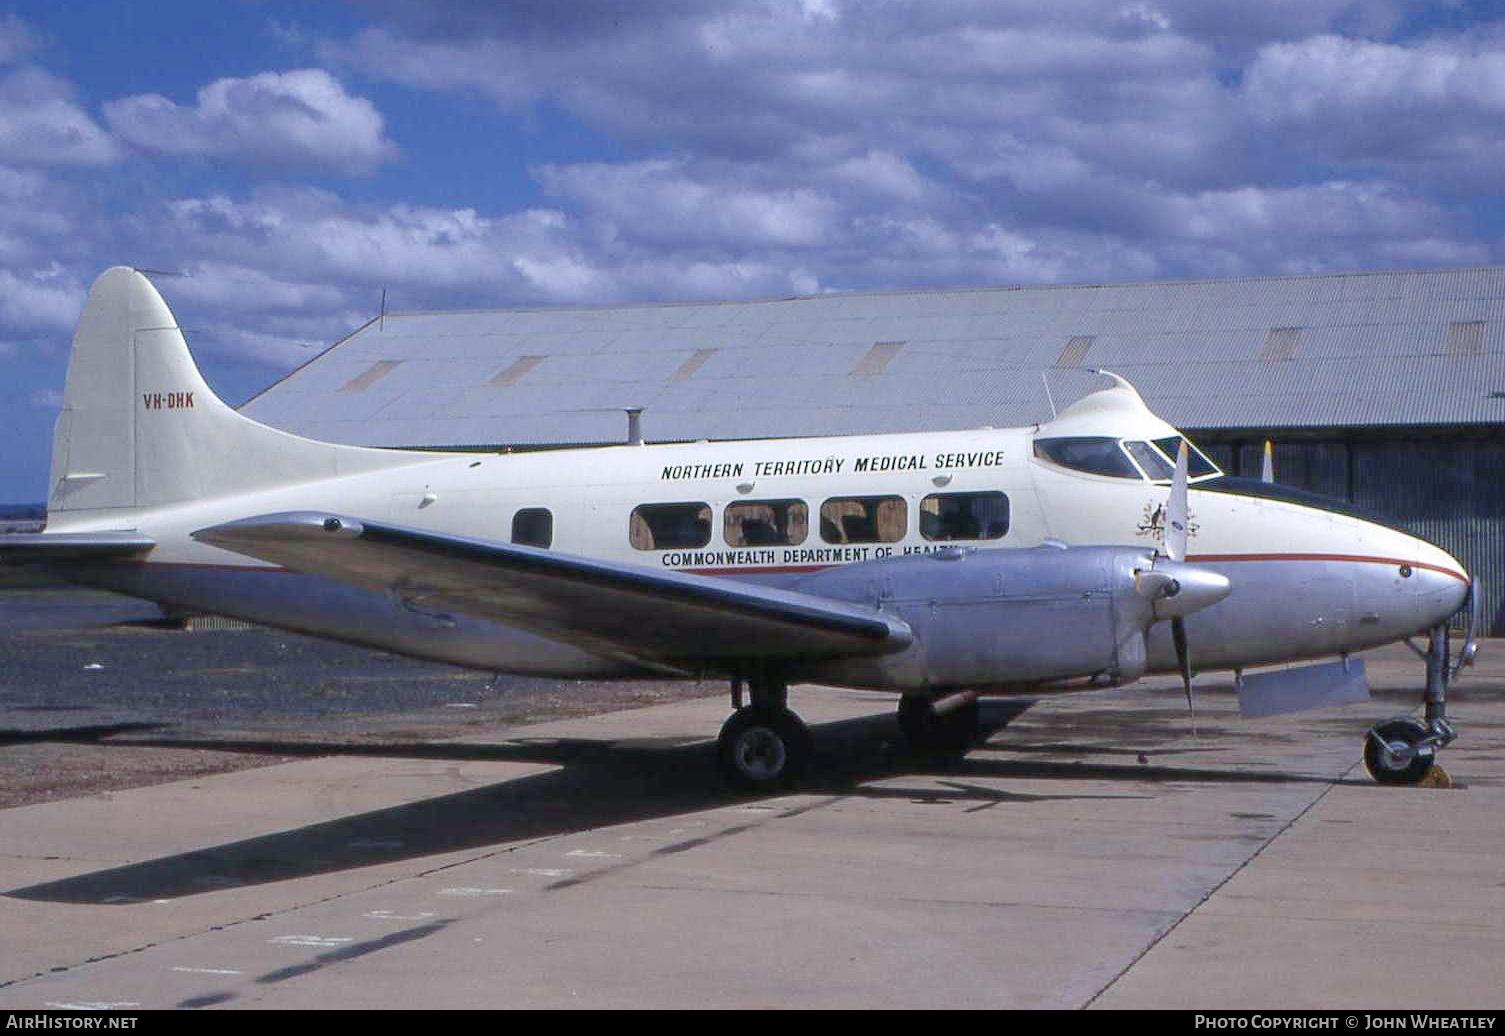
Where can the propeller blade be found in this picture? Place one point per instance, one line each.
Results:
(1173, 535)
(1176, 588)
(1183, 658)
(1267, 467)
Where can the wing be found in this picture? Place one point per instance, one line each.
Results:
(616, 610)
(22, 548)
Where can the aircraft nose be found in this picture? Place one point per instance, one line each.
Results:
(1441, 583)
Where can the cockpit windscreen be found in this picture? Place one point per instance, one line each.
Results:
(1120, 458)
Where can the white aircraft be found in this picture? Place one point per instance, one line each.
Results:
(933, 565)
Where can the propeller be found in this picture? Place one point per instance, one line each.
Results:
(1173, 536)
(1174, 547)
(1176, 588)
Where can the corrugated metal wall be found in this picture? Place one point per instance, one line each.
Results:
(1449, 489)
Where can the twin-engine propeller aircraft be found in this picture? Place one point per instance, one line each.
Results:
(1083, 552)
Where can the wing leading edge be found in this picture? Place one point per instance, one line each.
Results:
(620, 611)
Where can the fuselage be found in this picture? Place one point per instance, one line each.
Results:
(1307, 581)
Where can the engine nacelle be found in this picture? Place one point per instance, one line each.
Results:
(1001, 618)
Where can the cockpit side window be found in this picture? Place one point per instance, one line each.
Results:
(1151, 460)
(1197, 463)
(1096, 455)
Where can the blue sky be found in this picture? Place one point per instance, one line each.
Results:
(290, 162)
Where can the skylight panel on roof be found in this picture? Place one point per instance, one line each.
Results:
(1075, 351)
(515, 371)
(1466, 339)
(1281, 343)
(691, 365)
(370, 376)
(877, 358)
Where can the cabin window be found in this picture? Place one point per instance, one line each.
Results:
(533, 527)
(670, 526)
(964, 516)
(864, 519)
(1095, 455)
(766, 523)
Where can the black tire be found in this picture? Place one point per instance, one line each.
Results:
(1408, 766)
(949, 735)
(763, 749)
(917, 718)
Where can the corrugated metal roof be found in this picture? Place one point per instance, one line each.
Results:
(1409, 348)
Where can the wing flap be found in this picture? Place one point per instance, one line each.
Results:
(620, 610)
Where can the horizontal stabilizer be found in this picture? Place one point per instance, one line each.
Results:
(1307, 687)
(23, 548)
(611, 609)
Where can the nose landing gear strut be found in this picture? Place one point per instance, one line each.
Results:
(1404, 750)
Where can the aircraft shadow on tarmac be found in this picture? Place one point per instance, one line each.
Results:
(598, 783)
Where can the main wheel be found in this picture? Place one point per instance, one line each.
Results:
(951, 733)
(763, 749)
(1396, 752)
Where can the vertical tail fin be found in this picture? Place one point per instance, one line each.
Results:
(140, 427)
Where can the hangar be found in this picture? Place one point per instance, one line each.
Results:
(1383, 389)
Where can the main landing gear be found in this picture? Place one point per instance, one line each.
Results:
(1404, 750)
(945, 726)
(763, 746)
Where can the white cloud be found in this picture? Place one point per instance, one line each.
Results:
(664, 200)
(502, 72)
(293, 267)
(47, 299)
(302, 230)
(886, 175)
(41, 125)
(235, 288)
(1332, 76)
(564, 277)
(288, 119)
(1437, 105)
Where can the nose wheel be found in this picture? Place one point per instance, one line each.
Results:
(1404, 750)
(1400, 751)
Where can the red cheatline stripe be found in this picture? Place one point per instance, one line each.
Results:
(760, 571)
(1361, 558)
